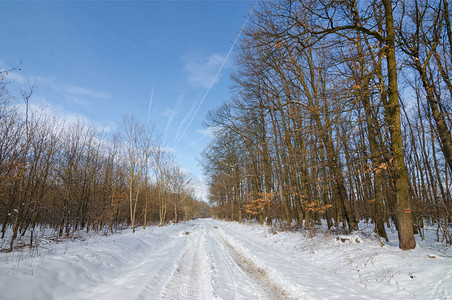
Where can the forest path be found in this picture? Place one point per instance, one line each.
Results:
(197, 262)
(211, 268)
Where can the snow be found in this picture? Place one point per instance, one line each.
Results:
(211, 259)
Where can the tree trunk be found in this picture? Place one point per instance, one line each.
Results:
(405, 219)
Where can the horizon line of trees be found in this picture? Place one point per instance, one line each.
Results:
(341, 111)
(72, 176)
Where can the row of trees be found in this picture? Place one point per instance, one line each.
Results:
(70, 176)
(341, 111)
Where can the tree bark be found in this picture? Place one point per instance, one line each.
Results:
(405, 219)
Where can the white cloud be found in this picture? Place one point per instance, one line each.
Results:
(170, 113)
(70, 89)
(71, 92)
(166, 149)
(63, 118)
(78, 101)
(201, 73)
(209, 131)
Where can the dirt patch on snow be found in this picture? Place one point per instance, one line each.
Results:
(259, 276)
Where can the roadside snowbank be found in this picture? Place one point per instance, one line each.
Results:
(358, 266)
(62, 270)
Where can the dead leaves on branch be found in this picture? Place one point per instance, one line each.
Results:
(266, 201)
(255, 206)
(317, 207)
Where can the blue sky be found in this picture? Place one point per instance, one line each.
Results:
(103, 59)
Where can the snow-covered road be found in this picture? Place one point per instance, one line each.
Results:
(209, 259)
(197, 262)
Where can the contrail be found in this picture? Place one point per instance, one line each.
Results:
(195, 142)
(182, 123)
(212, 82)
(150, 102)
(172, 114)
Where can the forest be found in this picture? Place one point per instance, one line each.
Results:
(72, 175)
(255, 149)
(340, 112)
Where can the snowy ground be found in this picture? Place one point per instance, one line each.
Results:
(209, 259)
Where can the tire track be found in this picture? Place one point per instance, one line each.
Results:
(267, 288)
(229, 281)
(187, 281)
